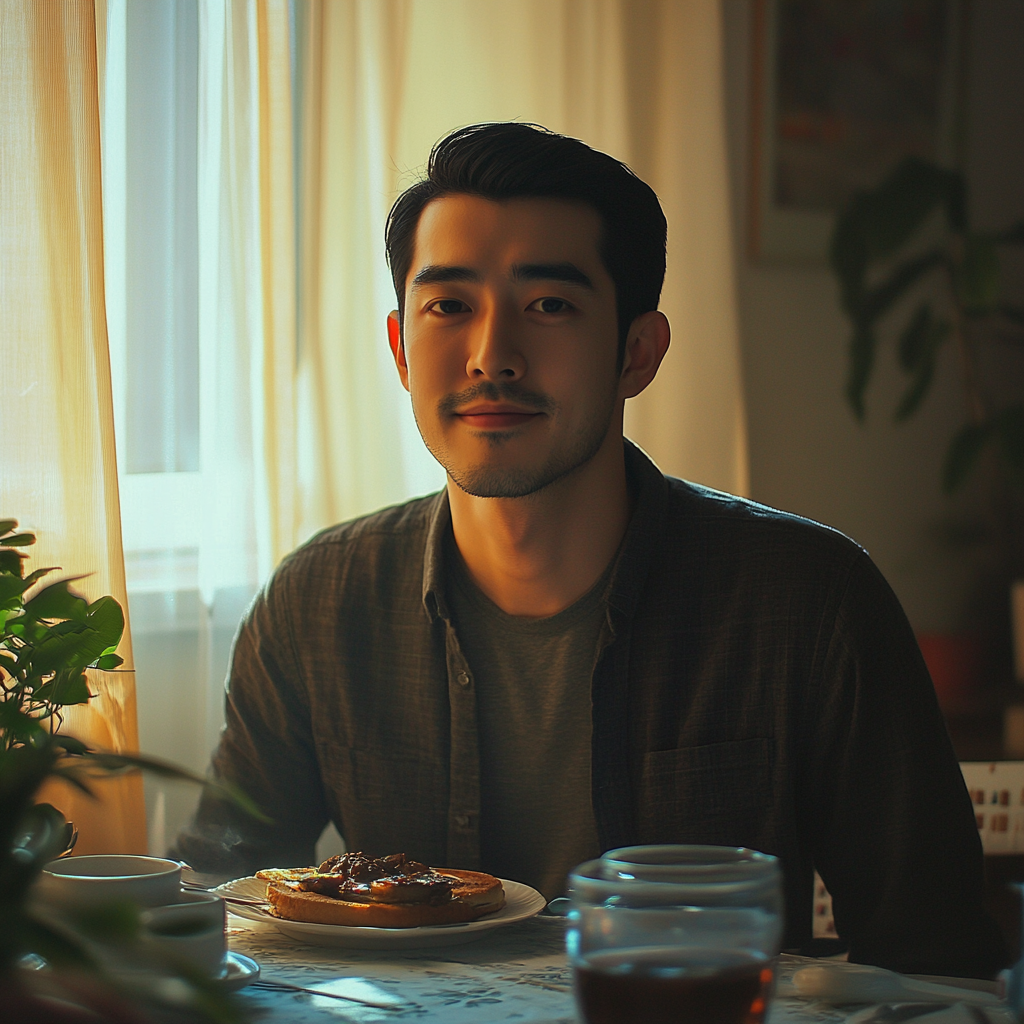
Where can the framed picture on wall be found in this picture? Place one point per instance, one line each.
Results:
(842, 90)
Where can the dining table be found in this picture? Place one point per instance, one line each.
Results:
(519, 973)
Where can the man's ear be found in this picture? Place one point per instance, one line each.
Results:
(397, 347)
(646, 345)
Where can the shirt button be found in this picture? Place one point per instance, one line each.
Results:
(463, 678)
(462, 820)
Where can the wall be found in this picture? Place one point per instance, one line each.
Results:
(877, 482)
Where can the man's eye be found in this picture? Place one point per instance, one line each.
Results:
(449, 306)
(550, 305)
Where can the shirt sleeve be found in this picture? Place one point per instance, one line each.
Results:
(893, 830)
(267, 750)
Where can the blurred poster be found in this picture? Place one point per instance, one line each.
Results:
(842, 91)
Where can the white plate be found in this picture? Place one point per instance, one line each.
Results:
(521, 902)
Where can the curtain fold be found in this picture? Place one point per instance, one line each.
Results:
(58, 471)
(358, 442)
(692, 418)
(247, 288)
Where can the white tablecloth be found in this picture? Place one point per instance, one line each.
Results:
(518, 973)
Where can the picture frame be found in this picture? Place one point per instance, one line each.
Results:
(840, 92)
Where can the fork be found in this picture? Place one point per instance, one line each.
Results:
(243, 901)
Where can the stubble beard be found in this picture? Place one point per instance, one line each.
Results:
(489, 481)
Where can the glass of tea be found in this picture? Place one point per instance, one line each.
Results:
(675, 935)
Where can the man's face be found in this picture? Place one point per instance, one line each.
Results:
(510, 341)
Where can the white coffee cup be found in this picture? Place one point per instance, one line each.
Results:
(190, 931)
(91, 880)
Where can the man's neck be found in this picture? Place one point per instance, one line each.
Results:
(537, 555)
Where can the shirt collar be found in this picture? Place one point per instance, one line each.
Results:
(438, 524)
(650, 489)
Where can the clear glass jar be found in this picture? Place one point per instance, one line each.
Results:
(675, 934)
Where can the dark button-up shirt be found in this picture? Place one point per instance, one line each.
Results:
(757, 685)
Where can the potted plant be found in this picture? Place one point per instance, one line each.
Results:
(911, 238)
(49, 639)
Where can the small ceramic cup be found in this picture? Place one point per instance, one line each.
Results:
(88, 881)
(188, 932)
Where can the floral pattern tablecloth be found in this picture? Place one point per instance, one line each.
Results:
(518, 973)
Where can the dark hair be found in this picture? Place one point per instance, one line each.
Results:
(511, 160)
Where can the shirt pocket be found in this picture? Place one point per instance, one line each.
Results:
(719, 794)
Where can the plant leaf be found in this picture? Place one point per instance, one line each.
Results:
(54, 946)
(15, 723)
(219, 788)
(901, 202)
(11, 560)
(12, 586)
(107, 662)
(56, 602)
(6, 525)
(74, 650)
(915, 394)
(862, 357)
(40, 835)
(848, 255)
(918, 349)
(107, 618)
(877, 300)
(116, 921)
(65, 688)
(963, 452)
(19, 540)
(70, 744)
(73, 774)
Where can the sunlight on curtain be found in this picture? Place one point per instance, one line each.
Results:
(58, 472)
(358, 445)
(692, 419)
(246, 292)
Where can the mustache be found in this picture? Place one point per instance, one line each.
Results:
(495, 392)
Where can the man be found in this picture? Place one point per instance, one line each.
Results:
(565, 651)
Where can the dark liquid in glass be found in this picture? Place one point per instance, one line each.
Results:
(654, 985)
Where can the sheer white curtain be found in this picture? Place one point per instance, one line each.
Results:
(246, 292)
(58, 468)
(359, 449)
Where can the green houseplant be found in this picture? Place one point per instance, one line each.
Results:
(49, 638)
(908, 259)
(888, 244)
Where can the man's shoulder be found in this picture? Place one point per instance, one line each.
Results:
(727, 525)
(388, 538)
(706, 504)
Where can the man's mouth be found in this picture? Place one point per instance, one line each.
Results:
(495, 417)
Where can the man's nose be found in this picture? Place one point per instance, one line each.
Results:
(495, 353)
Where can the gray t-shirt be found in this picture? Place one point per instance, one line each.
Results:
(533, 679)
